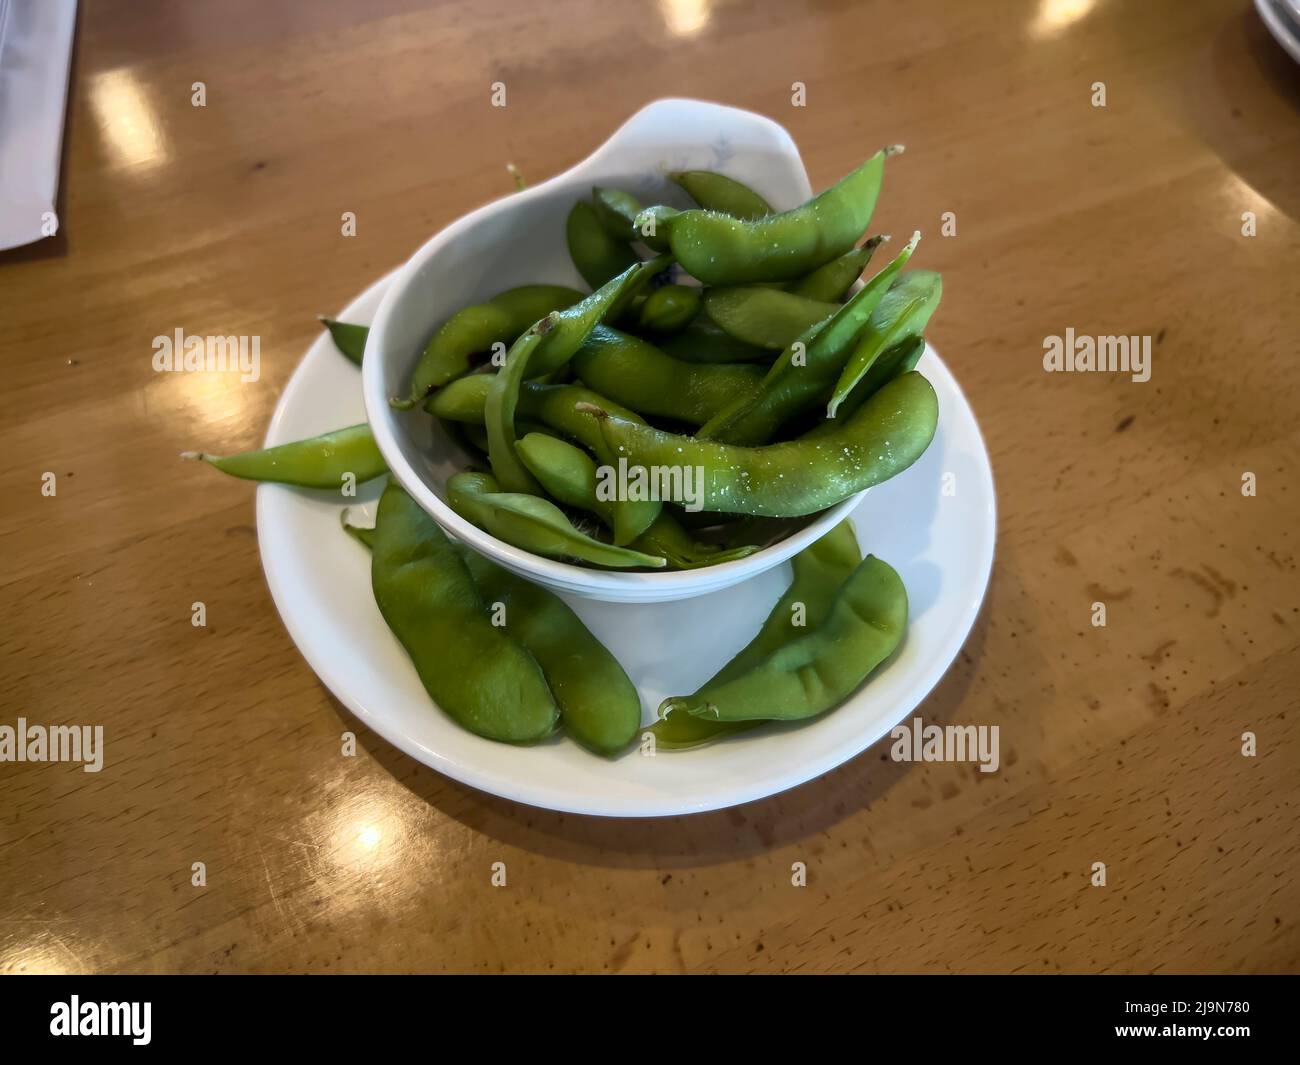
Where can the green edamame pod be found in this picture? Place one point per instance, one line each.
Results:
(572, 324)
(570, 476)
(534, 524)
(807, 370)
(893, 362)
(764, 317)
(555, 406)
(819, 571)
(617, 211)
(818, 671)
(635, 373)
(721, 250)
(481, 677)
(348, 338)
(597, 255)
(475, 329)
(499, 410)
(889, 432)
(919, 300)
(320, 462)
(669, 309)
(570, 328)
(702, 341)
(717, 192)
(599, 704)
(667, 539)
(833, 281)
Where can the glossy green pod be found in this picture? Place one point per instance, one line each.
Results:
(326, 461)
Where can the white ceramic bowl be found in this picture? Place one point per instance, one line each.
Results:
(520, 240)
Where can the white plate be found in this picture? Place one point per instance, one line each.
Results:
(941, 545)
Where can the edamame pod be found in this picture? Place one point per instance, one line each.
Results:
(617, 211)
(721, 250)
(640, 376)
(348, 338)
(819, 571)
(918, 300)
(717, 192)
(475, 329)
(481, 677)
(597, 255)
(818, 671)
(702, 341)
(833, 281)
(555, 406)
(572, 324)
(669, 309)
(570, 476)
(599, 704)
(499, 410)
(889, 432)
(764, 317)
(325, 461)
(534, 524)
(893, 362)
(807, 370)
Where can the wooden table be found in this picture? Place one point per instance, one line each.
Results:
(1120, 744)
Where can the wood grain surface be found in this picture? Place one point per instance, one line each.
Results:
(1120, 744)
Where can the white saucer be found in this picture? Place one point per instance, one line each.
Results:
(941, 545)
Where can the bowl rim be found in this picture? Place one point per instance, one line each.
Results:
(666, 584)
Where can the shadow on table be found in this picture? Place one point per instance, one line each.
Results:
(686, 841)
(1245, 96)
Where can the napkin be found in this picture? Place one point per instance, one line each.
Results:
(35, 48)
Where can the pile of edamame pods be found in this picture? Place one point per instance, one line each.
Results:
(728, 339)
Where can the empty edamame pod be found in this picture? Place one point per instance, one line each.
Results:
(918, 302)
(820, 569)
(571, 476)
(717, 192)
(595, 252)
(764, 317)
(889, 432)
(721, 250)
(638, 375)
(476, 672)
(324, 461)
(475, 329)
(833, 281)
(534, 524)
(819, 670)
(348, 338)
(806, 371)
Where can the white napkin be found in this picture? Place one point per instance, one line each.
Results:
(35, 47)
